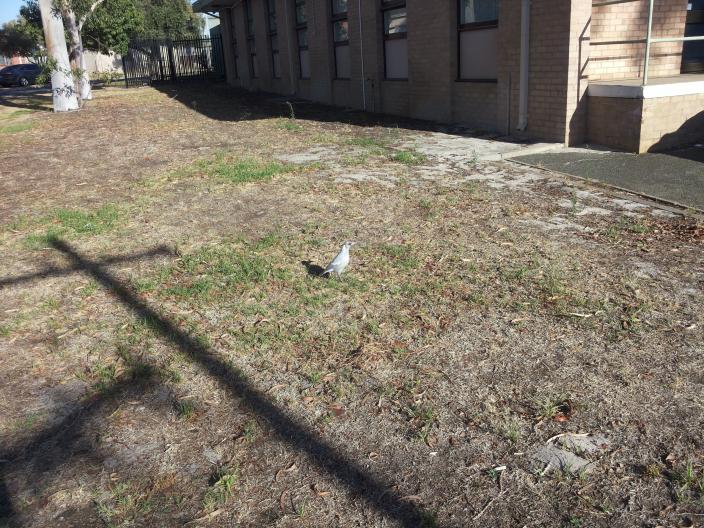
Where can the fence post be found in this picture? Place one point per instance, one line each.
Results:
(124, 70)
(172, 62)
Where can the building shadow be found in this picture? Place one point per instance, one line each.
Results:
(690, 132)
(222, 102)
(58, 440)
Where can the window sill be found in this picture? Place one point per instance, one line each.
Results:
(480, 81)
(388, 79)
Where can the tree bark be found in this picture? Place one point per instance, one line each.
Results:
(62, 87)
(76, 54)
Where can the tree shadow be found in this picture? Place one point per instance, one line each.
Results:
(377, 493)
(33, 98)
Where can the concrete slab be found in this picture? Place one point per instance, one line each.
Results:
(676, 176)
(468, 149)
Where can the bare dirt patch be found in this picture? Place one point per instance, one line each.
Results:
(170, 355)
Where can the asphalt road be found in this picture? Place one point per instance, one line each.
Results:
(675, 176)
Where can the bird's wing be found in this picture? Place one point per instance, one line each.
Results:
(339, 259)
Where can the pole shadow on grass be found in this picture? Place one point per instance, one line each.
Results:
(377, 493)
(55, 271)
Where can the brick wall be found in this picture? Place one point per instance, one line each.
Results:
(642, 125)
(671, 121)
(564, 56)
(628, 22)
(615, 122)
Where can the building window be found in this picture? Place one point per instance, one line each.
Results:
(251, 41)
(341, 39)
(478, 40)
(302, 39)
(273, 40)
(395, 42)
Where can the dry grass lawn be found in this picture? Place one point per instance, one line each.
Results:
(169, 355)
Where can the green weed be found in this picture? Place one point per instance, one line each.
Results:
(409, 157)
(185, 409)
(221, 490)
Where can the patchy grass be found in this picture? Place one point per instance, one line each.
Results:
(448, 349)
(241, 170)
(409, 157)
(74, 223)
(16, 128)
(288, 124)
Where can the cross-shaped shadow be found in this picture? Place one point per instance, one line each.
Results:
(60, 438)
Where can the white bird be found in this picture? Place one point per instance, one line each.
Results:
(340, 262)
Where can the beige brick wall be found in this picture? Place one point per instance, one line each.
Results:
(672, 121)
(642, 125)
(626, 23)
(563, 59)
(615, 122)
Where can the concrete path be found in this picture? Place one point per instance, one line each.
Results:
(676, 176)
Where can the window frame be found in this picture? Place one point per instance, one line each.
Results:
(390, 5)
(301, 26)
(335, 18)
(471, 26)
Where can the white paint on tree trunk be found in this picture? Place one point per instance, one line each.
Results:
(62, 87)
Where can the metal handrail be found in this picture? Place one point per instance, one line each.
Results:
(649, 40)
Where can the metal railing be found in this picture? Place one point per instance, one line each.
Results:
(649, 40)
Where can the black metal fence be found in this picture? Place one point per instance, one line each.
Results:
(153, 61)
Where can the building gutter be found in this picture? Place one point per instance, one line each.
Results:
(361, 53)
(208, 6)
(289, 52)
(525, 66)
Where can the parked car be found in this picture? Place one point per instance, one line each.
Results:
(19, 74)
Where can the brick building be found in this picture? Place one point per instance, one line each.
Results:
(557, 70)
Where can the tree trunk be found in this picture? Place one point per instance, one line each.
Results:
(62, 88)
(76, 54)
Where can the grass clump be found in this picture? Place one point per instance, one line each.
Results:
(373, 145)
(221, 489)
(242, 170)
(185, 409)
(288, 124)
(409, 157)
(83, 223)
(15, 128)
(210, 273)
(74, 222)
